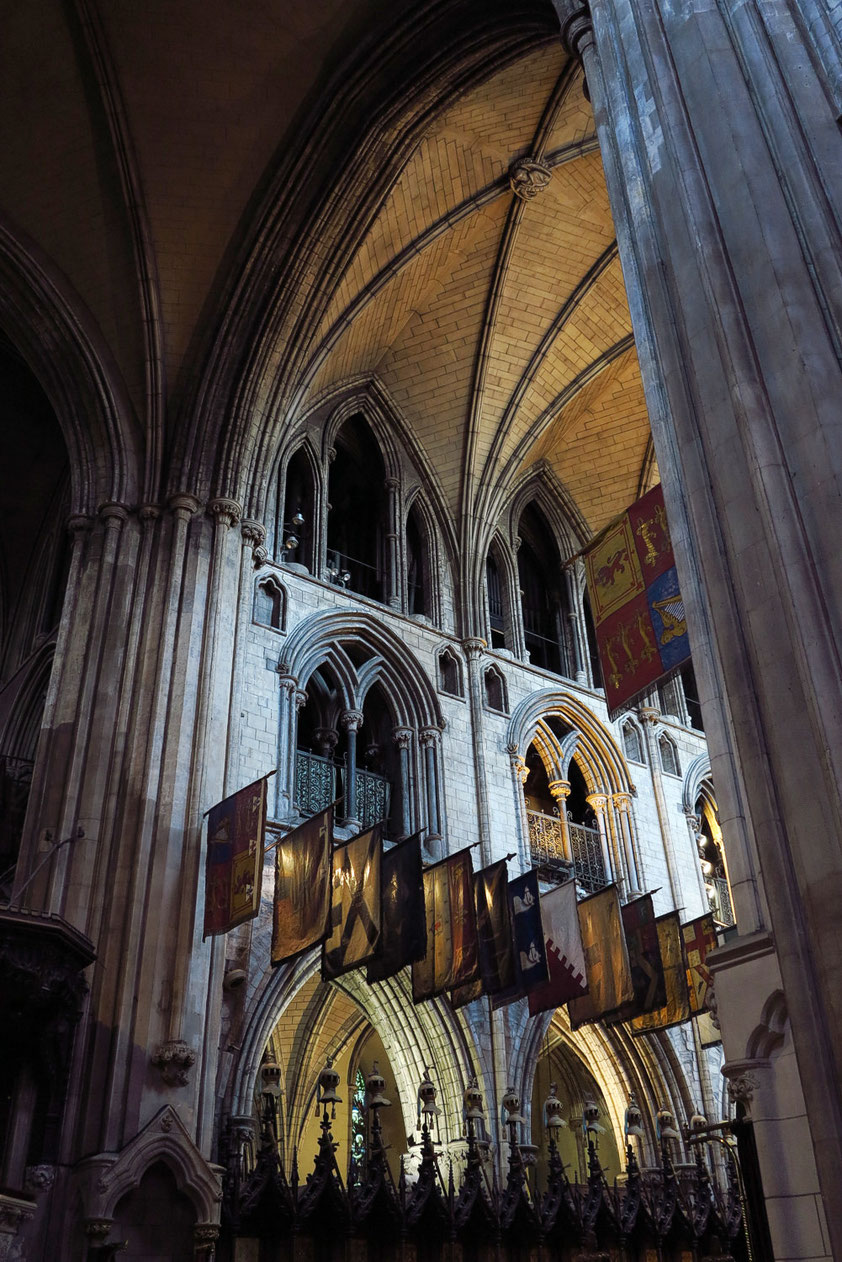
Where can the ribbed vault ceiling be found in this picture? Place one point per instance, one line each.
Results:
(497, 326)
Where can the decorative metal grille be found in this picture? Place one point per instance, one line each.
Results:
(586, 847)
(721, 905)
(315, 782)
(547, 848)
(373, 794)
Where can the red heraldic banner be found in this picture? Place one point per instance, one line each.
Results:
(234, 865)
(637, 607)
(699, 940)
(565, 952)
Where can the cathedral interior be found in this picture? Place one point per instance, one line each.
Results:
(330, 335)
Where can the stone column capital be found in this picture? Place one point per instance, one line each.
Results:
(113, 514)
(430, 737)
(327, 738)
(402, 737)
(226, 511)
(78, 523)
(647, 714)
(560, 789)
(597, 802)
(254, 532)
(149, 512)
(300, 698)
(622, 801)
(351, 720)
(474, 647)
(183, 505)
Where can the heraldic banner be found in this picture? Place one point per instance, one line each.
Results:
(677, 1007)
(355, 905)
(303, 869)
(637, 607)
(606, 958)
(494, 936)
(403, 928)
(234, 863)
(452, 957)
(564, 950)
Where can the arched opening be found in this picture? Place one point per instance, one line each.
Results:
(379, 787)
(450, 673)
(418, 572)
(356, 523)
(564, 1072)
(712, 858)
(35, 551)
(542, 594)
(155, 1219)
(269, 603)
(295, 514)
(632, 743)
(495, 690)
(590, 637)
(498, 637)
(669, 755)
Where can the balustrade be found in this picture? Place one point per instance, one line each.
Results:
(317, 781)
(585, 861)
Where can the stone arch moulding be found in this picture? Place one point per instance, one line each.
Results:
(696, 774)
(107, 1177)
(59, 339)
(430, 1035)
(603, 761)
(320, 638)
(541, 486)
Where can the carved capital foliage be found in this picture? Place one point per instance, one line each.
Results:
(597, 802)
(97, 1229)
(519, 767)
(300, 698)
(402, 737)
(351, 720)
(430, 737)
(474, 647)
(647, 714)
(560, 790)
(622, 802)
(741, 1088)
(225, 511)
(175, 1059)
(327, 738)
(528, 178)
(254, 532)
(205, 1233)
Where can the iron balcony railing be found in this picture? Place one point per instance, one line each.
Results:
(320, 781)
(720, 901)
(546, 845)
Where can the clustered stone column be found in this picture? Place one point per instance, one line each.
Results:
(430, 741)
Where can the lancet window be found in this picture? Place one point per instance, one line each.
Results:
(669, 755)
(356, 522)
(295, 514)
(632, 742)
(543, 597)
(269, 603)
(450, 673)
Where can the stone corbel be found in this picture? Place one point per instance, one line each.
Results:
(743, 1081)
(175, 1059)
